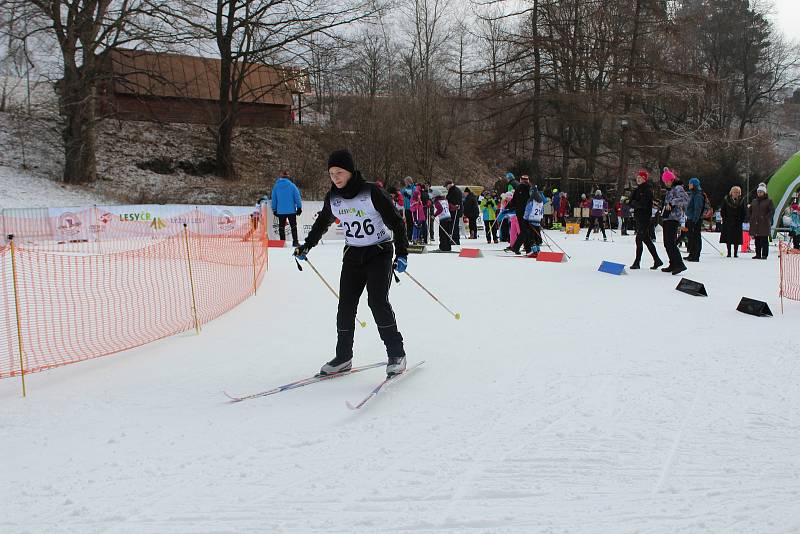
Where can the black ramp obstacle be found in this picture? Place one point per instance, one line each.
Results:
(754, 307)
(690, 287)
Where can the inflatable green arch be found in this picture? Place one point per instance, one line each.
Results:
(782, 184)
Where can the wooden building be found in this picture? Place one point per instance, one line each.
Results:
(161, 87)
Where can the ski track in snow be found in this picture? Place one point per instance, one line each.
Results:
(565, 400)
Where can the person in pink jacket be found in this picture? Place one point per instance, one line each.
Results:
(513, 223)
(418, 210)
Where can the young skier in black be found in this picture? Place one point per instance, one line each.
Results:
(369, 219)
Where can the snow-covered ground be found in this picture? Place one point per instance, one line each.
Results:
(24, 189)
(565, 400)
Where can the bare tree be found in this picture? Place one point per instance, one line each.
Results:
(248, 33)
(83, 29)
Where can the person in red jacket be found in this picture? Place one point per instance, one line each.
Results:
(563, 209)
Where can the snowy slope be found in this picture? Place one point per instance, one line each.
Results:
(565, 400)
(23, 189)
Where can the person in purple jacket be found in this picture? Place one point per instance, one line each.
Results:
(597, 213)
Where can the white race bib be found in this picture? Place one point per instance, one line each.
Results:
(445, 214)
(598, 204)
(362, 224)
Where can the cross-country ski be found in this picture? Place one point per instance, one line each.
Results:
(389, 380)
(303, 382)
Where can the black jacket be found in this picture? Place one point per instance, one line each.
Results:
(382, 203)
(455, 198)
(471, 205)
(642, 202)
(520, 199)
(733, 213)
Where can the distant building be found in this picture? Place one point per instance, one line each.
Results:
(161, 87)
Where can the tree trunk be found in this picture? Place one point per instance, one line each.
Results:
(80, 163)
(227, 122)
(565, 149)
(537, 96)
(623, 163)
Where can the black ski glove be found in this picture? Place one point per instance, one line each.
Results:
(301, 252)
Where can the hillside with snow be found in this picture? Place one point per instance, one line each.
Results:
(27, 189)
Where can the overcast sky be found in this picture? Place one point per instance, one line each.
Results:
(786, 16)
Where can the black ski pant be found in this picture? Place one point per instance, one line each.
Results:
(505, 230)
(671, 229)
(445, 241)
(282, 226)
(643, 240)
(694, 241)
(473, 227)
(491, 231)
(525, 236)
(599, 221)
(409, 224)
(369, 267)
(762, 246)
(456, 228)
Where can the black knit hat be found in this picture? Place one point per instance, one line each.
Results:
(342, 159)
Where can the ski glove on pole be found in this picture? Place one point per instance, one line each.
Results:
(301, 252)
(400, 264)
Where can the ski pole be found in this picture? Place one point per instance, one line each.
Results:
(445, 233)
(712, 244)
(608, 216)
(454, 314)
(335, 294)
(545, 234)
(538, 230)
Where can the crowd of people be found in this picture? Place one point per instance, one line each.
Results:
(516, 212)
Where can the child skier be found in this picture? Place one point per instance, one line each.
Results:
(534, 212)
(598, 212)
(441, 211)
(369, 219)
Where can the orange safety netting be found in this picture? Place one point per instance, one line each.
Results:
(789, 271)
(75, 303)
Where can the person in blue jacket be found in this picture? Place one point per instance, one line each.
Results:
(286, 204)
(694, 221)
(408, 192)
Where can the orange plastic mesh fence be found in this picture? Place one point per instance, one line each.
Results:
(790, 271)
(77, 302)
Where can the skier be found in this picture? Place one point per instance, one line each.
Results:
(534, 211)
(642, 204)
(456, 200)
(441, 211)
(598, 213)
(518, 203)
(369, 219)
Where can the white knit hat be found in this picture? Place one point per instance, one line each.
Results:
(762, 187)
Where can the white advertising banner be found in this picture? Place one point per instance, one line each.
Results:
(310, 213)
(71, 224)
(156, 220)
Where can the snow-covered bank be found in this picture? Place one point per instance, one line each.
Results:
(565, 400)
(24, 189)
